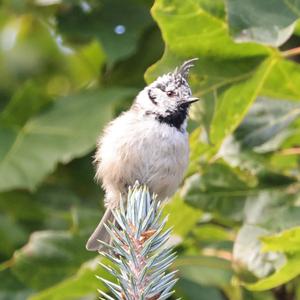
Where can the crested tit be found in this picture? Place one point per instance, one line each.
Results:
(148, 143)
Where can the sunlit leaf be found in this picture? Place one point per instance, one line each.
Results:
(282, 81)
(181, 216)
(235, 85)
(249, 260)
(281, 276)
(233, 104)
(286, 241)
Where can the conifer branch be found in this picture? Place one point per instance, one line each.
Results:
(138, 251)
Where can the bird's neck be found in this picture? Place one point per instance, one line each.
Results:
(176, 118)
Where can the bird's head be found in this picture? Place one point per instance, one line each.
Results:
(169, 96)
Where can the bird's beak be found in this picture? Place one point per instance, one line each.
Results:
(192, 100)
(187, 102)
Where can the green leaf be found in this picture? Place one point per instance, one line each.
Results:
(34, 53)
(287, 241)
(12, 235)
(268, 295)
(282, 81)
(181, 216)
(85, 64)
(281, 276)
(208, 40)
(268, 22)
(249, 261)
(26, 102)
(53, 255)
(110, 23)
(203, 270)
(261, 208)
(211, 233)
(297, 28)
(13, 203)
(233, 104)
(67, 129)
(265, 121)
(244, 167)
(219, 189)
(236, 85)
(235, 73)
(15, 295)
(84, 283)
(11, 288)
(191, 290)
(150, 50)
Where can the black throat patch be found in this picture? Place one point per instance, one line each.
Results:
(174, 118)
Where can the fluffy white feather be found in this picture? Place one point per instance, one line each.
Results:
(148, 144)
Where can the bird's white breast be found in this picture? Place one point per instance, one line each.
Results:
(140, 148)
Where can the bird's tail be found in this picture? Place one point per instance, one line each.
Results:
(100, 233)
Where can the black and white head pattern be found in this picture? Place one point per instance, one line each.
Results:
(168, 97)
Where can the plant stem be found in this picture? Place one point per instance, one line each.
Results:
(290, 151)
(291, 52)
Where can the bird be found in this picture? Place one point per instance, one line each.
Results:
(146, 144)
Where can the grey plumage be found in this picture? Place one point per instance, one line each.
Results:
(148, 144)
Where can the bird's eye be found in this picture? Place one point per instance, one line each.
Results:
(170, 93)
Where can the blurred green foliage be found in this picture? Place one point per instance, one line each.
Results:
(68, 67)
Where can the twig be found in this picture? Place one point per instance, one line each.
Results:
(290, 151)
(291, 52)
